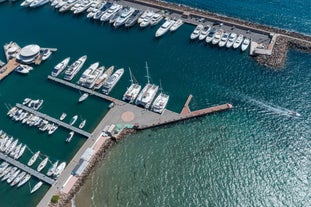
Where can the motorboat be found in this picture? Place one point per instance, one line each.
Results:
(59, 169)
(126, 12)
(83, 7)
(196, 32)
(52, 169)
(238, 41)
(42, 164)
(164, 27)
(245, 44)
(217, 37)
(114, 8)
(46, 53)
(160, 103)
(52, 129)
(37, 104)
(63, 116)
(91, 79)
(176, 25)
(18, 178)
(100, 12)
(73, 120)
(24, 69)
(223, 39)
(33, 158)
(37, 3)
(132, 92)
(147, 20)
(67, 6)
(36, 187)
(60, 67)
(294, 113)
(231, 40)
(69, 136)
(74, 68)
(87, 73)
(156, 18)
(204, 32)
(146, 96)
(26, 101)
(83, 97)
(12, 111)
(82, 124)
(24, 180)
(60, 4)
(143, 16)
(210, 35)
(26, 3)
(133, 18)
(114, 16)
(112, 81)
(102, 79)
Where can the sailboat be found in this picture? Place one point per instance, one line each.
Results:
(132, 92)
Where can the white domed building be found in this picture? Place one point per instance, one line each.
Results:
(28, 53)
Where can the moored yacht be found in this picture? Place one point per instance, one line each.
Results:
(133, 18)
(13, 176)
(24, 69)
(60, 67)
(83, 97)
(156, 18)
(26, 2)
(147, 20)
(20, 153)
(37, 3)
(196, 32)
(24, 180)
(132, 92)
(36, 187)
(87, 73)
(204, 32)
(223, 39)
(112, 81)
(67, 6)
(101, 11)
(59, 169)
(102, 79)
(52, 129)
(160, 103)
(217, 37)
(210, 35)
(73, 120)
(18, 178)
(52, 169)
(91, 80)
(42, 164)
(176, 25)
(146, 96)
(63, 116)
(238, 41)
(69, 136)
(245, 44)
(126, 12)
(33, 158)
(9, 174)
(231, 40)
(164, 27)
(74, 68)
(82, 124)
(114, 8)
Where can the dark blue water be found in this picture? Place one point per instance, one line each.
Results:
(253, 155)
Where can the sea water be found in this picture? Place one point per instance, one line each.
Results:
(252, 155)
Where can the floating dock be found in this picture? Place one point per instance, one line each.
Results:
(8, 68)
(56, 121)
(27, 169)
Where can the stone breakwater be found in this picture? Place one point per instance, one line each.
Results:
(65, 198)
(285, 40)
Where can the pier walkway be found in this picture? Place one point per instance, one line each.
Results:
(27, 169)
(86, 90)
(56, 121)
(8, 68)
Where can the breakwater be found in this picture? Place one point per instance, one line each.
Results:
(285, 39)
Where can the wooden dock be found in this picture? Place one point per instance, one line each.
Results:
(8, 68)
(27, 169)
(86, 90)
(56, 121)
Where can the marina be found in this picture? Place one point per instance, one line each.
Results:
(27, 169)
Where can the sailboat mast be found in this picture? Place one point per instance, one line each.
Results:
(147, 73)
(131, 75)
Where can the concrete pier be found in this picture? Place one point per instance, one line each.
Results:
(27, 169)
(8, 68)
(56, 121)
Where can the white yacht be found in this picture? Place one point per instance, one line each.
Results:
(143, 16)
(238, 41)
(91, 79)
(132, 92)
(83, 97)
(164, 27)
(9, 174)
(42, 164)
(100, 12)
(114, 8)
(60, 67)
(156, 18)
(102, 79)
(160, 103)
(24, 180)
(13, 176)
(33, 158)
(3, 166)
(46, 53)
(52, 169)
(245, 44)
(125, 14)
(24, 69)
(18, 178)
(146, 96)
(204, 32)
(210, 35)
(20, 153)
(176, 25)
(26, 3)
(218, 36)
(52, 129)
(16, 150)
(67, 6)
(6, 171)
(133, 18)
(36, 187)
(147, 20)
(37, 3)
(87, 73)
(112, 81)
(11, 147)
(196, 32)
(59, 169)
(83, 7)
(74, 68)
(223, 39)
(63, 116)
(69, 136)
(82, 124)
(231, 40)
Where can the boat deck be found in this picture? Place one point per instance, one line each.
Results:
(8, 68)
(56, 121)
(27, 169)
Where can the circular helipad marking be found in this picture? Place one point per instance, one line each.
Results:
(128, 116)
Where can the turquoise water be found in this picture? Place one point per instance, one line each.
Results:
(253, 155)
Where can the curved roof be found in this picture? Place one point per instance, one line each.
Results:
(30, 50)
